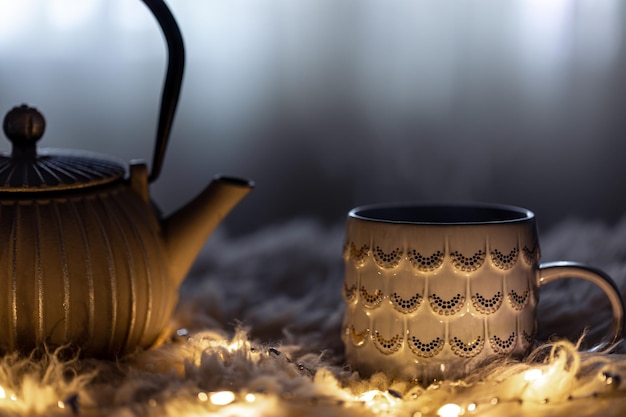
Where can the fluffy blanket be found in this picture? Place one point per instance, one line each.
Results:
(257, 333)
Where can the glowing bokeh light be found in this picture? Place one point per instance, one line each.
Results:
(222, 397)
(449, 410)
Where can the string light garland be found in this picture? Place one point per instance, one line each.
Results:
(388, 401)
(565, 377)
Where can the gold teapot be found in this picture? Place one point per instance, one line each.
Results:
(85, 259)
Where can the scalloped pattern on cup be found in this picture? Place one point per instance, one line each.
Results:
(528, 339)
(349, 293)
(406, 305)
(426, 297)
(486, 305)
(357, 338)
(468, 263)
(501, 259)
(503, 346)
(439, 305)
(518, 301)
(387, 346)
(358, 255)
(531, 256)
(467, 349)
(387, 260)
(446, 307)
(504, 261)
(425, 349)
(371, 300)
(397, 278)
(426, 263)
(430, 349)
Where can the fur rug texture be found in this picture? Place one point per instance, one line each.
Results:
(257, 333)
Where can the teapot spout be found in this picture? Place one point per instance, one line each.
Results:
(187, 230)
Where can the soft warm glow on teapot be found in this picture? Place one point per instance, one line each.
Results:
(90, 262)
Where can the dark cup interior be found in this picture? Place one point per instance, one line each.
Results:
(443, 214)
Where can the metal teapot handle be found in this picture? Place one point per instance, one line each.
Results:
(172, 83)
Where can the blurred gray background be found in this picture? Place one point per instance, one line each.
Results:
(328, 104)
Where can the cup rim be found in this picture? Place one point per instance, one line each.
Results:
(442, 213)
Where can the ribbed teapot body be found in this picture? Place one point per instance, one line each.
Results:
(86, 269)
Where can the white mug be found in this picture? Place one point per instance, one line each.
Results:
(432, 291)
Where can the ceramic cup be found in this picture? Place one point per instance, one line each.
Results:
(432, 291)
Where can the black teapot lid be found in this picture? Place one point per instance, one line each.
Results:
(27, 169)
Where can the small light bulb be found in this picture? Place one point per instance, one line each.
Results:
(449, 410)
(471, 407)
(250, 397)
(202, 396)
(3, 393)
(60, 404)
(222, 397)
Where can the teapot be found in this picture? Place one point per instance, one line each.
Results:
(86, 260)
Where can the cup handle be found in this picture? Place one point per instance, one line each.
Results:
(551, 271)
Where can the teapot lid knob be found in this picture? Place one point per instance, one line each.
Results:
(28, 169)
(24, 126)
